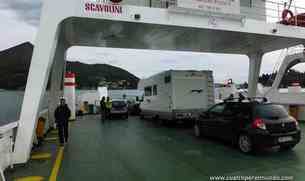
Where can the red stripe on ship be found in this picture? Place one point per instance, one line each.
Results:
(70, 84)
(70, 75)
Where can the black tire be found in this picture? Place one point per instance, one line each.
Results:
(245, 144)
(286, 147)
(165, 122)
(197, 131)
(126, 116)
(156, 117)
(142, 117)
(159, 121)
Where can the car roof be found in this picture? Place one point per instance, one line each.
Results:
(254, 103)
(118, 100)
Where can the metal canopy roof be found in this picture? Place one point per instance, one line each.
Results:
(121, 34)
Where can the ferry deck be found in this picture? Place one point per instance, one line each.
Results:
(143, 150)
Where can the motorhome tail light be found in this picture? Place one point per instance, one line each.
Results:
(259, 124)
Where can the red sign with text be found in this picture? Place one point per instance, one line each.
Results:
(111, 7)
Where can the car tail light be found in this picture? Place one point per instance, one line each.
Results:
(295, 121)
(259, 123)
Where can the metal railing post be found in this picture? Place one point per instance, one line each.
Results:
(2, 174)
(295, 15)
(278, 12)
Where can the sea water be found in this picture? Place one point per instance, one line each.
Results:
(10, 106)
(11, 102)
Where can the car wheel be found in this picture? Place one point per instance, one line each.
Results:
(197, 131)
(157, 119)
(287, 147)
(166, 123)
(245, 143)
(142, 117)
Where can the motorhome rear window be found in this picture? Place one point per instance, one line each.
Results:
(167, 79)
(155, 90)
(246, 3)
(148, 91)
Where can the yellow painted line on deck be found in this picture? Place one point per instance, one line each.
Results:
(56, 167)
(55, 131)
(51, 139)
(31, 178)
(40, 156)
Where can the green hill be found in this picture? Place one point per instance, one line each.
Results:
(15, 63)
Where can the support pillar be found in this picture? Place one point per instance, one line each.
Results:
(255, 61)
(47, 42)
(56, 83)
(42, 60)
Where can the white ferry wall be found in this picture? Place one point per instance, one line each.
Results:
(294, 96)
(254, 9)
(184, 92)
(222, 93)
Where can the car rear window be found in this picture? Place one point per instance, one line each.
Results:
(118, 104)
(270, 111)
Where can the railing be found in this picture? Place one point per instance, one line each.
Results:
(7, 139)
(274, 10)
(6, 146)
(270, 11)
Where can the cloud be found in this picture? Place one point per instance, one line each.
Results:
(144, 63)
(19, 20)
(13, 30)
(26, 10)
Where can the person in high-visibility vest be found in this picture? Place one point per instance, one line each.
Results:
(108, 107)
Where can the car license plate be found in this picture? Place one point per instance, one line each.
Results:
(285, 139)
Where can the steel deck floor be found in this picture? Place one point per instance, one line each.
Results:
(138, 150)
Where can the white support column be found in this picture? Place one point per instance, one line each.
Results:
(42, 59)
(57, 76)
(255, 61)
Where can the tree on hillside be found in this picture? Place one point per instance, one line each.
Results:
(291, 76)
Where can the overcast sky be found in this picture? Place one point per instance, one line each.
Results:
(19, 23)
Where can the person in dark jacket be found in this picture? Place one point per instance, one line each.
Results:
(62, 115)
(103, 109)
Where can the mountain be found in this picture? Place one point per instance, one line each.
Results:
(15, 63)
(91, 75)
(14, 66)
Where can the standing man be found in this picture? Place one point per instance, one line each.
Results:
(62, 115)
(108, 107)
(103, 109)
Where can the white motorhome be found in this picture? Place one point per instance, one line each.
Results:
(177, 94)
